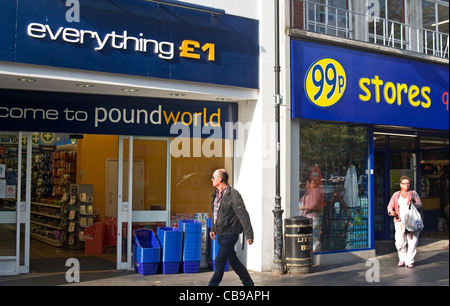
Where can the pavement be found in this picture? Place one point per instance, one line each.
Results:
(431, 269)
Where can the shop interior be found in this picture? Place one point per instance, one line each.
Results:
(86, 165)
(424, 157)
(334, 185)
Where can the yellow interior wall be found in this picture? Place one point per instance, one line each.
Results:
(154, 155)
(430, 203)
(92, 153)
(191, 187)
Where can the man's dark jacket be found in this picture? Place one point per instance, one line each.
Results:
(232, 217)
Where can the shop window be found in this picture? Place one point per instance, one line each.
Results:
(192, 162)
(191, 172)
(433, 174)
(8, 171)
(333, 184)
(8, 190)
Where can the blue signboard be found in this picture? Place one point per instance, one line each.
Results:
(115, 115)
(340, 84)
(132, 37)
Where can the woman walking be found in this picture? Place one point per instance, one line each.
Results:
(405, 241)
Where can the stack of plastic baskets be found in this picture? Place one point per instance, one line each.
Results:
(147, 252)
(213, 248)
(192, 245)
(170, 239)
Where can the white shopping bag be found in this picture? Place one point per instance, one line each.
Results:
(412, 220)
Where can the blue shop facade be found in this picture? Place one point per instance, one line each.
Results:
(361, 119)
(87, 86)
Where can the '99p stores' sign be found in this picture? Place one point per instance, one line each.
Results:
(345, 85)
(325, 82)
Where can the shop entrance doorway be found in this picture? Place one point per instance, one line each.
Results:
(395, 156)
(150, 207)
(15, 176)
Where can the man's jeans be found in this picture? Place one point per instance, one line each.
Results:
(226, 252)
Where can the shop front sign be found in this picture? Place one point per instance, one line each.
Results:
(151, 40)
(96, 114)
(340, 84)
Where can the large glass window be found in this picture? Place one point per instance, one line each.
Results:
(434, 171)
(435, 18)
(328, 17)
(386, 26)
(191, 186)
(333, 184)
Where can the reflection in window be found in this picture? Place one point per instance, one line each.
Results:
(435, 16)
(191, 186)
(8, 171)
(333, 184)
(328, 17)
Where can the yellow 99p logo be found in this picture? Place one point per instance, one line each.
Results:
(325, 82)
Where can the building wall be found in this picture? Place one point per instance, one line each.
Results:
(254, 170)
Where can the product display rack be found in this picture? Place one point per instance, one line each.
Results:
(48, 222)
(80, 213)
(357, 232)
(52, 171)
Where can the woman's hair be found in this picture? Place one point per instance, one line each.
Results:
(404, 177)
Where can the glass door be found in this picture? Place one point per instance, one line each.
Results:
(143, 190)
(15, 182)
(383, 222)
(395, 156)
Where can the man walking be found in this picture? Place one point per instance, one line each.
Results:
(230, 218)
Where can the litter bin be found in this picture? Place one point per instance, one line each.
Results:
(298, 244)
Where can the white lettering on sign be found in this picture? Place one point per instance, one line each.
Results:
(164, 49)
(28, 113)
(157, 116)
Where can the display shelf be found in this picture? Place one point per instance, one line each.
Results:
(53, 242)
(48, 223)
(52, 171)
(80, 213)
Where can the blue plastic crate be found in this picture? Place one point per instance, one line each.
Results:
(170, 239)
(192, 242)
(146, 248)
(146, 268)
(170, 267)
(191, 266)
